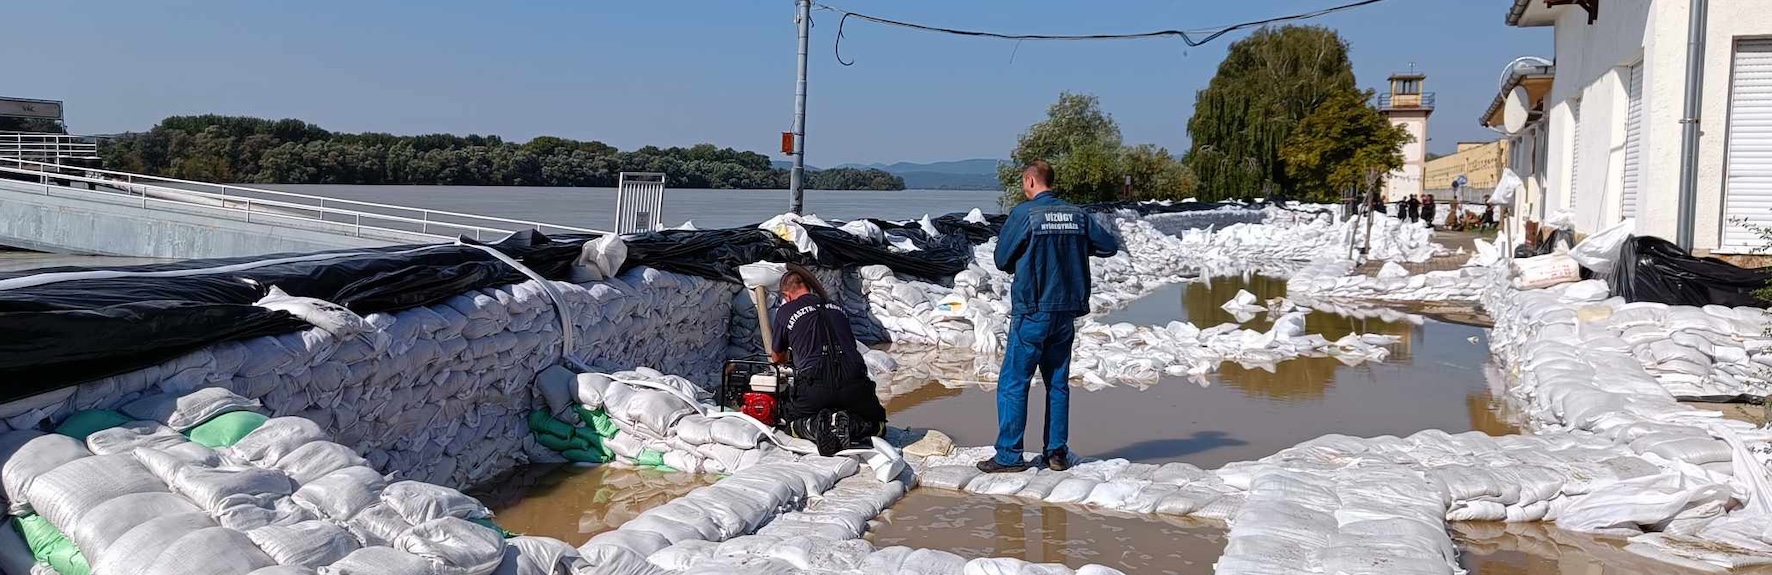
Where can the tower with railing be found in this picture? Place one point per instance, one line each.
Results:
(1408, 106)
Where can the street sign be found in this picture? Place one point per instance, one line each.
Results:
(1460, 182)
(28, 108)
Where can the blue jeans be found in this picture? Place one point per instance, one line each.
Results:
(1036, 340)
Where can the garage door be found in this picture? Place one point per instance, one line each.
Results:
(1748, 183)
(1633, 143)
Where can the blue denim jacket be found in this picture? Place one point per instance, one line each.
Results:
(1046, 243)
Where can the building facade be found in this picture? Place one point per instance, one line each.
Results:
(1480, 163)
(1612, 118)
(1406, 105)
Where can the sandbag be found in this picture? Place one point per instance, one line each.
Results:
(537, 556)
(641, 543)
(454, 546)
(276, 438)
(341, 494)
(616, 560)
(316, 460)
(129, 436)
(208, 487)
(29, 455)
(83, 423)
(555, 385)
(378, 561)
(1545, 271)
(954, 477)
(131, 553)
(15, 555)
(192, 409)
(66, 493)
(226, 429)
(248, 512)
(734, 432)
(377, 524)
(123, 514)
(311, 544)
(419, 503)
(589, 388)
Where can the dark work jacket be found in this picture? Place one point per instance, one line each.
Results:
(1046, 243)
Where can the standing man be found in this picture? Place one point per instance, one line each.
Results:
(1046, 243)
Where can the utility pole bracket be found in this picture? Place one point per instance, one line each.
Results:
(1592, 7)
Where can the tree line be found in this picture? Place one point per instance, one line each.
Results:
(1281, 117)
(253, 150)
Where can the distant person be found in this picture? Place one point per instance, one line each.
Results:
(1413, 208)
(1427, 210)
(1377, 204)
(832, 401)
(1046, 242)
(1488, 220)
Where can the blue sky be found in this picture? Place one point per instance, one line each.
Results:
(678, 72)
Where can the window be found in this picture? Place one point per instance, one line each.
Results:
(1407, 87)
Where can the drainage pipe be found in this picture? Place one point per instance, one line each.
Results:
(1689, 124)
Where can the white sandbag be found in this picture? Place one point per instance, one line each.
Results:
(208, 487)
(454, 546)
(249, 512)
(276, 438)
(1545, 271)
(1072, 490)
(615, 560)
(954, 477)
(311, 544)
(589, 389)
(641, 543)
(29, 455)
(129, 436)
(598, 259)
(66, 493)
(316, 460)
(1179, 474)
(341, 494)
(765, 275)
(999, 483)
(212, 550)
(1623, 508)
(556, 385)
(695, 429)
(379, 561)
(527, 555)
(734, 432)
(655, 411)
(192, 409)
(418, 502)
(1599, 252)
(1112, 494)
(283, 570)
(996, 566)
(377, 524)
(121, 515)
(684, 555)
(329, 317)
(932, 562)
(133, 551)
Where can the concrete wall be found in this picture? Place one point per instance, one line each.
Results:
(69, 220)
(1593, 65)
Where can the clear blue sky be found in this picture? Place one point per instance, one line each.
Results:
(679, 72)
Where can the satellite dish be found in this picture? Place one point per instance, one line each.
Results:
(1516, 111)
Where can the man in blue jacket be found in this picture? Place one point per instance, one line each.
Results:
(1046, 243)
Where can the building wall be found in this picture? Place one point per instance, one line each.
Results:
(1408, 180)
(1593, 66)
(1479, 162)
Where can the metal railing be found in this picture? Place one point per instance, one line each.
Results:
(1395, 101)
(271, 207)
(51, 147)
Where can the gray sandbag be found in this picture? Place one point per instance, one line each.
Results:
(122, 514)
(316, 460)
(30, 454)
(590, 387)
(216, 550)
(67, 492)
(528, 555)
(616, 560)
(135, 550)
(135, 434)
(555, 385)
(249, 512)
(418, 502)
(341, 494)
(312, 544)
(378, 561)
(656, 411)
(208, 487)
(454, 546)
(278, 437)
(641, 543)
(199, 406)
(377, 524)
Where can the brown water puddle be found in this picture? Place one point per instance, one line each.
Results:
(1542, 549)
(573, 503)
(1434, 379)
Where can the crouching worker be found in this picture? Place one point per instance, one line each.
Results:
(832, 401)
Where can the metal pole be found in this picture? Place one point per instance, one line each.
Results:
(797, 178)
(1689, 124)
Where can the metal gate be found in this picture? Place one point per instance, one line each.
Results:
(639, 202)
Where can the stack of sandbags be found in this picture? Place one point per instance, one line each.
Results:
(441, 393)
(205, 483)
(1178, 222)
(1115, 484)
(1334, 279)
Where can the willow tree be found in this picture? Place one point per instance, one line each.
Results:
(1266, 86)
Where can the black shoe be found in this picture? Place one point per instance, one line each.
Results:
(843, 430)
(991, 466)
(1058, 460)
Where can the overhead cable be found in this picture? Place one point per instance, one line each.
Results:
(1184, 35)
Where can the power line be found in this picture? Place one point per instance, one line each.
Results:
(1186, 36)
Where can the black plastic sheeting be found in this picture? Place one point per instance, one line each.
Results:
(1655, 270)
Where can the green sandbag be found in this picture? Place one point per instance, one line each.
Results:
(599, 421)
(49, 545)
(487, 523)
(649, 458)
(554, 443)
(583, 456)
(226, 429)
(90, 421)
(540, 422)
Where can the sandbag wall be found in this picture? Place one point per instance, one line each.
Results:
(443, 397)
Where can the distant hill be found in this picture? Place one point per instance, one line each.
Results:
(975, 174)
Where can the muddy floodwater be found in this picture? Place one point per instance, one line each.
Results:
(1435, 378)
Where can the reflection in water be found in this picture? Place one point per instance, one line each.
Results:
(981, 526)
(573, 503)
(1542, 549)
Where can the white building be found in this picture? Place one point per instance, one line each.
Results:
(1407, 106)
(1612, 118)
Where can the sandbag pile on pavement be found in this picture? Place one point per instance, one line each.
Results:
(437, 393)
(207, 483)
(1335, 279)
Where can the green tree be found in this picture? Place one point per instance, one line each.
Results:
(1338, 145)
(1267, 84)
(1081, 142)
